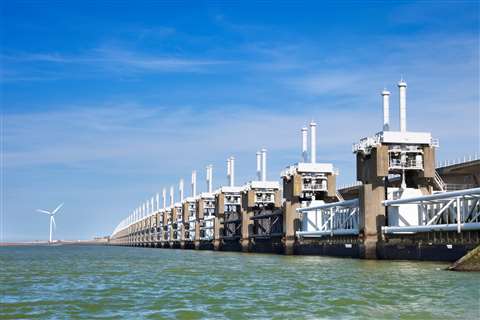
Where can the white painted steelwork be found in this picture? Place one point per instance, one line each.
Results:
(206, 227)
(191, 207)
(328, 219)
(456, 210)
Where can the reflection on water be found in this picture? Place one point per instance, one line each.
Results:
(86, 282)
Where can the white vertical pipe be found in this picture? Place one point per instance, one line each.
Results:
(194, 183)
(228, 167)
(402, 88)
(229, 172)
(209, 178)
(172, 194)
(304, 144)
(152, 208)
(264, 164)
(180, 188)
(232, 171)
(164, 198)
(386, 109)
(313, 142)
(259, 165)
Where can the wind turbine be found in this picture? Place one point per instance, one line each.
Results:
(52, 219)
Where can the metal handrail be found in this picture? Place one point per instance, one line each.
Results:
(346, 203)
(438, 196)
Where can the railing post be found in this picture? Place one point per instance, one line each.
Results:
(458, 216)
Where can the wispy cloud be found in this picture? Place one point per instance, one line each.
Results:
(105, 60)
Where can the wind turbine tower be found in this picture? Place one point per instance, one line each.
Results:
(52, 218)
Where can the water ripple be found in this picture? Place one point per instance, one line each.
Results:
(113, 282)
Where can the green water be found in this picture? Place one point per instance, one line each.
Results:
(84, 282)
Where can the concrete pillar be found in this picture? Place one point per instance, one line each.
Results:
(247, 224)
(372, 217)
(174, 221)
(197, 235)
(290, 216)
(219, 217)
(181, 230)
(217, 241)
(198, 222)
(185, 218)
(291, 190)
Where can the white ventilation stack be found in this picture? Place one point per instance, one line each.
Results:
(232, 171)
(143, 210)
(305, 144)
(164, 198)
(229, 171)
(194, 183)
(172, 194)
(264, 164)
(313, 142)
(386, 109)
(209, 178)
(259, 165)
(402, 88)
(180, 189)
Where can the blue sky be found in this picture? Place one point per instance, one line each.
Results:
(103, 105)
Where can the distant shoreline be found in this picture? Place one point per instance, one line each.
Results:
(59, 242)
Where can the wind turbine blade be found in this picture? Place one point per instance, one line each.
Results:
(43, 211)
(54, 224)
(57, 208)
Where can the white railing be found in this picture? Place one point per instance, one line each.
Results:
(448, 211)
(439, 181)
(465, 159)
(350, 185)
(338, 218)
